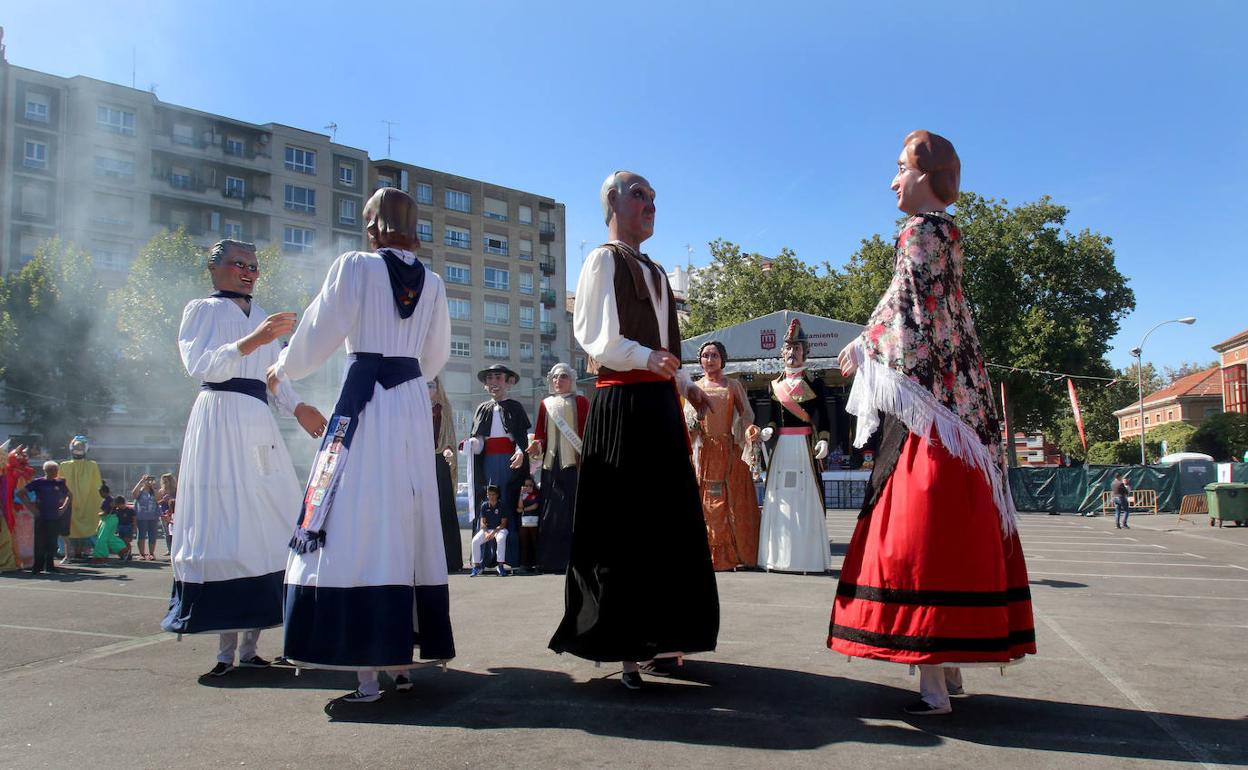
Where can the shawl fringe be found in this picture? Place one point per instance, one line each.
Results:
(878, 388)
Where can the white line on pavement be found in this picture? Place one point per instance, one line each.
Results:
(84, 591)
(1152, 577)
(1105, 562)
(1184, 596)
(1130, 693)
(88, 655)
(64, 631)
(1088, 542)
(1167, 554)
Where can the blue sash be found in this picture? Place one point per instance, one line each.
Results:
(366, 371)
(254, 388)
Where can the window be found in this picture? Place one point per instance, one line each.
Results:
(110, 209)
(495, 244)
(424, 193)
(234, 147)
(526, 249)
(459, 201)
(526, 351)
(345, 243)
(180, 177)
(301, 160)
(346, 174)
(346, 211)
(526, 215)
(232, 229)
(495, 209)
(460, 309)
(461, 346)
(457, 274)
(300, 199)
(526, 318)
(497, 278)
(235, 187)
(35, 155)
(424, 230)
(458, 237)
(115, 120)
(384, 181)
(1169, 415)
(580, 364)
(37, 108)
(115, 166)
(496, 348)
(183, 134)
(1146, 419)
(497, 313)
(526, 283)
(35, 200)
(109, 256)
(297, 239)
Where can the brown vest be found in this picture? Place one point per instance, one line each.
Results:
(636, 311)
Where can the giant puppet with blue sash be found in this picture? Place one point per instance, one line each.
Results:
(366, 581)
(792, 536)
(237, 485)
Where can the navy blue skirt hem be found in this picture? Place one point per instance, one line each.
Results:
(225, 605)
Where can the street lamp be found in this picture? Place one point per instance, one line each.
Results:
(1138, 352)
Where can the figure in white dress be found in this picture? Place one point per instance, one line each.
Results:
(238, 489)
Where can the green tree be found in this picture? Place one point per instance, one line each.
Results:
(1223, 436)
(1114, 453)
(1097, 403)
(1172, 374)
(59, 356)
(1177, 435)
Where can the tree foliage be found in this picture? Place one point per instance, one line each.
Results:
(58, 351)
(1172, 374)
(1223, 436)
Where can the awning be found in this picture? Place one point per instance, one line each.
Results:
(754, 345)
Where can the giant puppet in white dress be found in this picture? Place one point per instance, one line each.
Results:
(238, 490)
(367, 579)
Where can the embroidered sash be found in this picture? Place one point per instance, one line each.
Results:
(785, 397)
(554, 410)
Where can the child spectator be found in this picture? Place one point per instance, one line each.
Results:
(527, 508)
(491, 525)
(109, 538)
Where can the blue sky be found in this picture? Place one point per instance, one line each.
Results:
(768, 124)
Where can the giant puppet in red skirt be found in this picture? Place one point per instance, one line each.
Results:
(934, 575)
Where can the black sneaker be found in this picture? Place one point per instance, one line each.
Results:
(281, 661)
(631, 680)
(356, 697)
(402, 683)
(255, 661)
(221, 669)
(922, 708)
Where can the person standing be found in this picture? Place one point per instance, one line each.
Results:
(446, 467)
(794, 533)
(238, 487)
(51, 504)
(83, 477)
(1122, 508)
(729, 501)
(640, 584)
(934, 575)
(499, 435)
(17, 473)
(557, 444)
(167, 500)
(366, 580)
(146, 516)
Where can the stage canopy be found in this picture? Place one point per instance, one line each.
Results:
(754, 345)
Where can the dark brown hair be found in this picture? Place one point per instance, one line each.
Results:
(390, 218)
(723, 352)
(934, 155)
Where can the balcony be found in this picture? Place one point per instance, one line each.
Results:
(548, 297)
(548, 264)
(231, 153)
(527, 256)
(549, 360)
(546, 231)
(549, 330)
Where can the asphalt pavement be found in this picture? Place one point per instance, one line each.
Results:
(1142, 637)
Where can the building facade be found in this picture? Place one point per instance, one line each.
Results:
(1189, 399)
(502, 254)
(1233, 362)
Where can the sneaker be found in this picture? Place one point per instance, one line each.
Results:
(402, 683)
(356, 697)
(475, 571)
(922, 708)
(221, 669)
(1124, 526)
(661, 666)
(631, 680)
(255, 661)
(502, 570)
(956, 691)
(281, 661)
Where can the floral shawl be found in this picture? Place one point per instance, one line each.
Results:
(920, 360)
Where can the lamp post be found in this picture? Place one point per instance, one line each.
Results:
(1138, 352)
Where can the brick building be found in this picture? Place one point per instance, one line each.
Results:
(1189, 399)
(1234, 367)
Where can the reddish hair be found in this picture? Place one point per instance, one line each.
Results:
(934, 155)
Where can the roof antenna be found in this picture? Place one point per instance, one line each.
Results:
(390, 124)
(332, 128)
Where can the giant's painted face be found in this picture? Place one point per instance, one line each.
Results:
(78, 449)
(793, 354)
(497, 385)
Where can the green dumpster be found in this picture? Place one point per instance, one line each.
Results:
(1227, 502)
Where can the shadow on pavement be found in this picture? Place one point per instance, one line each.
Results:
(1049, 582)
(281, 678)
(724, 704)
(64, 575)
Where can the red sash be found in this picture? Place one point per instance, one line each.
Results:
(785, 397)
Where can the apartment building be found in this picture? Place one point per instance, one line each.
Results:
(502, 254)
(107, 167)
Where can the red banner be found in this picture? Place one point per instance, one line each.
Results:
(1074, 405)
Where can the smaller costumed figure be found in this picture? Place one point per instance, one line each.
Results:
(83, 477)
(793, 537)
(445, 467)
(557, 443)
(723, 445)
(17, 526)
(499, 436)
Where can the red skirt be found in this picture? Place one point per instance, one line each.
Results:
(928, 577)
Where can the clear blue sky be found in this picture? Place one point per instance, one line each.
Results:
(771, 125)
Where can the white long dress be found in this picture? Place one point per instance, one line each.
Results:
(238, 496)
(379, 581)
(793, 536)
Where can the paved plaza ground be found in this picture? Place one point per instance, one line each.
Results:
(1143, 656)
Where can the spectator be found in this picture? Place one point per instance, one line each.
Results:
(114, 533)
(166, 500)
(1122, 509)
(527, 510)
(49, 503)
(492, 525)
(146, 515)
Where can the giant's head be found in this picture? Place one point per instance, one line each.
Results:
(928, 173)
(390, 219)
(233, 266)
(628, 205)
